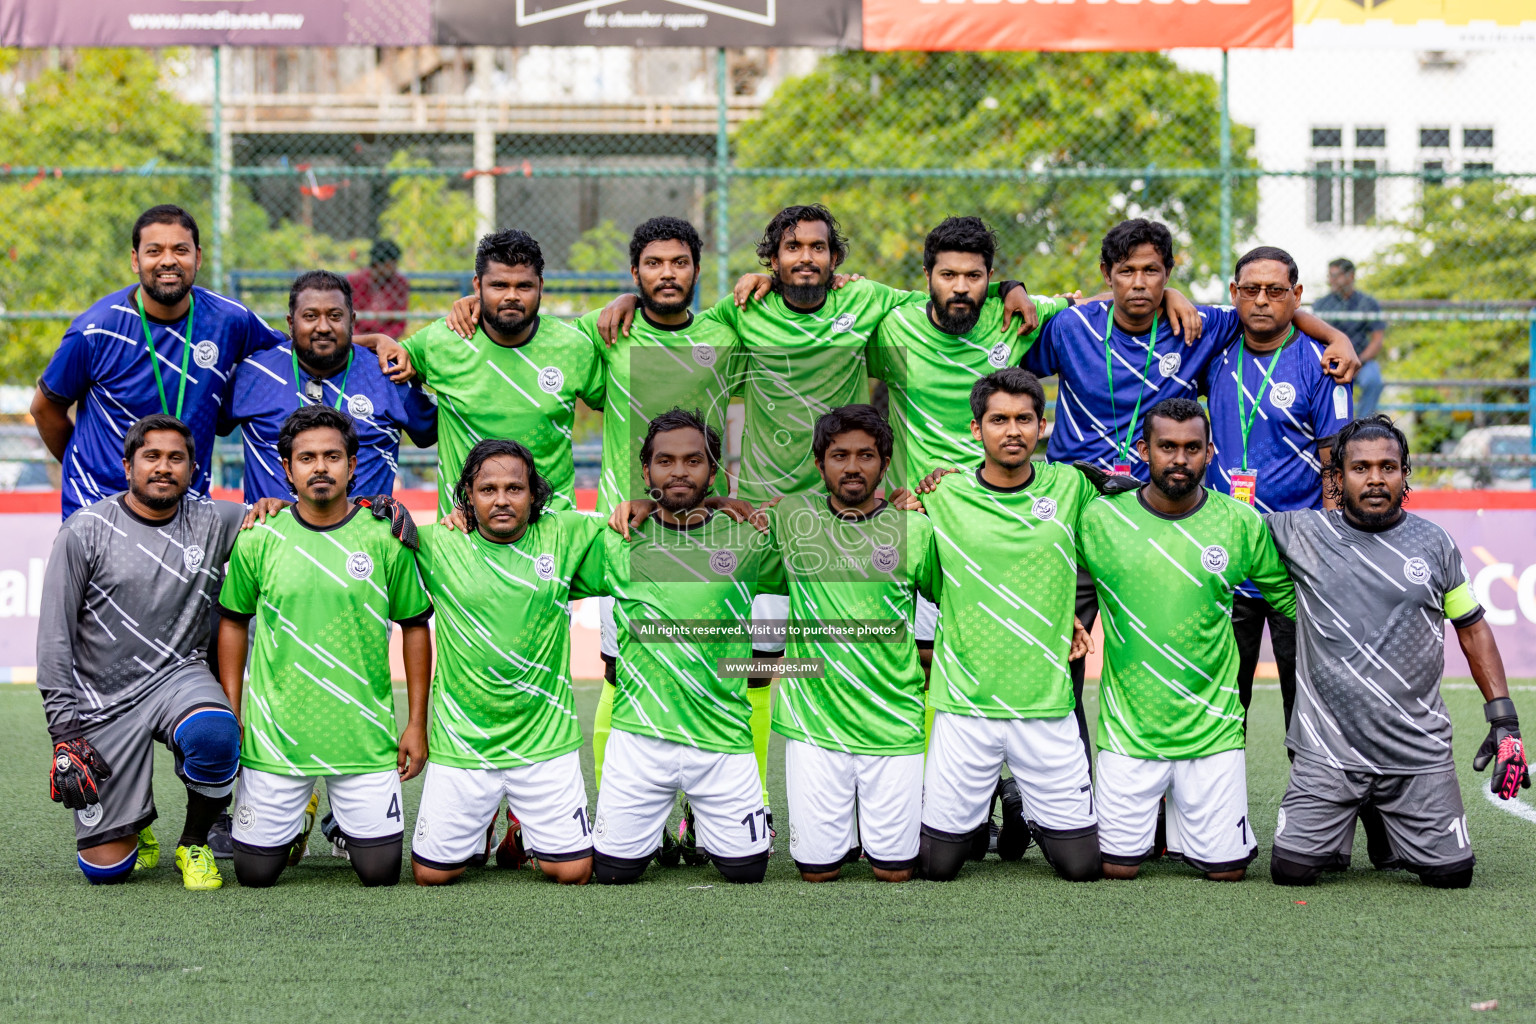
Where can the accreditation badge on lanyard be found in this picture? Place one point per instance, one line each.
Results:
(1245, 486)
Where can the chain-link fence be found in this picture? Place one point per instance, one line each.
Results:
(1415, 166)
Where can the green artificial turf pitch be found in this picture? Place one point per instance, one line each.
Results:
(1005, 942)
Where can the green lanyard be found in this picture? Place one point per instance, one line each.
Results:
(1109, 375)
(341, 392)
(1245, 420)
(154, 359)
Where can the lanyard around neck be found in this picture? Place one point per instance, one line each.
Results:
(1109, 375)
(1245, 420)
(154, 359)
(341, 391)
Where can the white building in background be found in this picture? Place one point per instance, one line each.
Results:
(1383, 109)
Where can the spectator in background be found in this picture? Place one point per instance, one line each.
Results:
(1366, 334)
(381, 287)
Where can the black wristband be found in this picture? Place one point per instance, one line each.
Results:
(1501, 708)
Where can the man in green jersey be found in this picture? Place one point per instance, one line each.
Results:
(683, 588)
(324, 580)
(503, 714)
(1166, 560)
(519, 376)
(1001, 689)
(853, 567)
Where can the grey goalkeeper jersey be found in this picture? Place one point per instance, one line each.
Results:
(125, 603)
(1371, 610)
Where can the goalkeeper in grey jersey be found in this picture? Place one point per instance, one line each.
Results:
(1374, 588)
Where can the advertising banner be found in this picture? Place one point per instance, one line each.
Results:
(1415, 24)
(1074, 24)
(832, 23)
(215, 22)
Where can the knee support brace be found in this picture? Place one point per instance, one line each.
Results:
(258, 867)
(941, 855)
(608, 870)
(1073, 854)
(1457, 876)
(108, 874)
(207, 748)
(377, 861)
(1284, 871)
(743, 869)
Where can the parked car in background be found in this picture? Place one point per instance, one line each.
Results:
(1482, 442)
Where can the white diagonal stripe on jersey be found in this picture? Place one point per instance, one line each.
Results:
(1323, 517)
(1317, 741)
(463, 746)
(1384, 574)
(1111, 701)
(1122, 360)
(266, 710)
(874, 697)
(1339, 618)
(524, 686)
(1071, 564)
(110, 635)
(1365, 762)
(1174, 562)
(110, 524)
(509, 577)
(1432, 711)
(502, 374)
(315, 758)
(645, 685)
(1381, 694)
(348, 669)
(273, 747)
(1191, 696)
(1119, 600)
(1020, 631)
(954, 691)
(1111, 506)
(458, 713)
(156, 559)
(317, 565)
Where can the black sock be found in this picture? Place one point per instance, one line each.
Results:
(202, 812)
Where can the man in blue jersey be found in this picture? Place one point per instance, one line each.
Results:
(1272, 434)
(1114, 360)
(104, 364)
(322, 367)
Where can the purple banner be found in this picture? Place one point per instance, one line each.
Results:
(1499, 547)
(215, 22)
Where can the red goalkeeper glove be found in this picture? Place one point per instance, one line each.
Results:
(1504, 748)
(77, 771)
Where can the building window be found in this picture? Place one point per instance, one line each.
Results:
(1324, 190)
(1477, 166)
(1370, 138)
(1434, 138)
(1327, 138)
(1477, 138)
(1363, 194)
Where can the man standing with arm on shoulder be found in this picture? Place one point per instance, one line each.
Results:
(1366, 335)
(854, 734)
(1001, 690)
(324, 581)
(1273, 416)
(503, 713)
(320, 366)
(1166, 560)
(1375, 586)
(122, 646)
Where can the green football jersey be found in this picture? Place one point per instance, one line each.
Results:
(502, 690)
(842, 574)
(653, 370)
(1009, 593)
(319, 699)
(796, 366)
(702, 580)
(1169, 688)
(528, 394)
(930, 373)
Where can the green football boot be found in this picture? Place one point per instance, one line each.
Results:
(149, 850)
(198, 870)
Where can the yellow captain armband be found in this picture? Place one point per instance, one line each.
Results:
(1460, 603)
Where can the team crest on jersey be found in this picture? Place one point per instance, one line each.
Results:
(1214, 558)
(794, 836)
(421, 828)
(1169, 362)
(359, 565)
(205, 354)
(1282, 395)
(600, 826)
(544, 567)
(723, 562)
(1280, 822)
(884, 558)
(360, 406)
(1044, 508)
(844, 323)
(89, 815)
(551, 380)
(1416, 570)
(998, 357)
(245, 818)
(704, 355)
(192, 557)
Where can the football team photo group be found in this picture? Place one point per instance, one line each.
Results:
(828, 509)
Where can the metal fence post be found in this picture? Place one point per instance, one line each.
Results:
(722, 176)
(1225, 253)
(220, 171)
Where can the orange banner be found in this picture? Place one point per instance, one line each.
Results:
(1075, 24)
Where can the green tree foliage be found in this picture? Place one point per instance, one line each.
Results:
(433, 223)
(602, 247)
(1039, 112)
